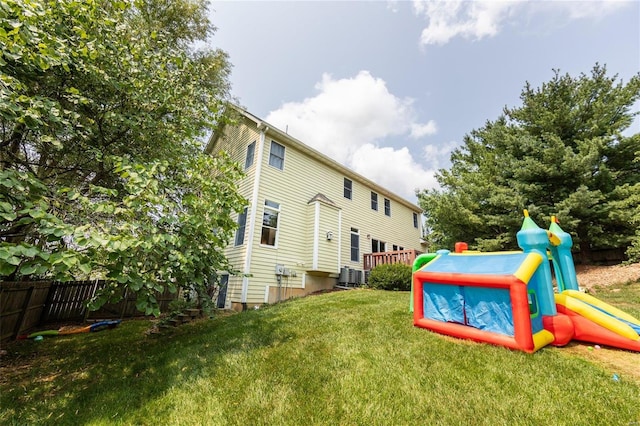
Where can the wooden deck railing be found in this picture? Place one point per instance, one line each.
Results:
(371, 260)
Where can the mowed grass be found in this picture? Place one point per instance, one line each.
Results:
(342, 358)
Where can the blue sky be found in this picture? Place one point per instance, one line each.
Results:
(389, 88)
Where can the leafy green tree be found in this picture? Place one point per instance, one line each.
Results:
(562, 152)
(103, 109)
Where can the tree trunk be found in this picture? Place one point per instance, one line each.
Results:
(585, 255)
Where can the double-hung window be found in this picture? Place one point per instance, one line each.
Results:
(387, 207)
(378, 246)
(269, 236)
(374, 201)
(251, 149)
(276, 155)
(415, 220)
(348, 188)
(355, 245)
(242, 224)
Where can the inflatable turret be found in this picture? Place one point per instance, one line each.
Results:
(533, 239)
(565, 271)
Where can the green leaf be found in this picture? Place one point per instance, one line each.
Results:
(7, 207)
(141, 304)
(9, 217)
(41, 270)
(37, 213)
(44, 255)
(6, 252)
(13, 260)
(85, 267)
(6, 269)
(30, 251)
(28, 268)
(69, 260)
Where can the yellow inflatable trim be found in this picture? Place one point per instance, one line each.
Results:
(602, 305)
(528, 267)
(598, 317)
(542, 339)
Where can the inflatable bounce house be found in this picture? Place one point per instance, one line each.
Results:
(508, 298)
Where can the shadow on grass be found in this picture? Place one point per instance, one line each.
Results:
(100, 377)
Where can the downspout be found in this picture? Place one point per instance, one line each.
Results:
(316, 236)
(339, 239)
(252, 216)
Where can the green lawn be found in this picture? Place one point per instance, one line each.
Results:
(343, 358)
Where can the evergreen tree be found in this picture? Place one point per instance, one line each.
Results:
(563, 152)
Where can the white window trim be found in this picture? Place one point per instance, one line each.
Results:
(279, 210)
(283, 157)
(235, 237)
(350, 247)
(350, 198)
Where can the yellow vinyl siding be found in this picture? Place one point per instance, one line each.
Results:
(309, 234)
(290, 189)
(357, 213)
(328, 249)
(235, 142)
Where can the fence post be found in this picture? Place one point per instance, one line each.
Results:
(23, 314)
(44, 316)
(125, 300)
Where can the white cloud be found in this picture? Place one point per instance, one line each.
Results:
(476, 20)
(420, 130)
(348, 118)
(393, 168)
(435, 155)
(345, 114)
(590, 9)
(448, 19)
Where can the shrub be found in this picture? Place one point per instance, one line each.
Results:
(391, 277)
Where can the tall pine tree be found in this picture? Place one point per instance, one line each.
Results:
(566, 151)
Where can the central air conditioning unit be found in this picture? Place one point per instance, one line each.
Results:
(351, 277)
(344, 276)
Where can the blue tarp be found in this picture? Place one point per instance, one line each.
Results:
(489, 309)
(484, 308)
(443, 303)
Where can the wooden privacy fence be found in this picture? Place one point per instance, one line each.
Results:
(30, 304)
